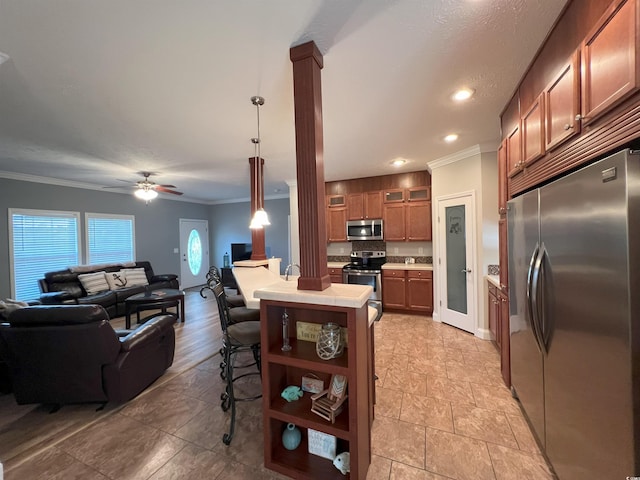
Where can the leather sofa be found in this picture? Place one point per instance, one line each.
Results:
(71, 354)
(64, 287)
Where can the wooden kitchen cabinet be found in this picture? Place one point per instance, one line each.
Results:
(514, 152)
(494, 315)
(337, 224)
(418, 221)
(281, 369)
(364, 206)
(407, 290)
(394, 218)
(408, 219)
(335, 274)
(533, 144)
(336, 201)
(418, 194)
(394, 290)
(610, 60)
(562, 104)
(420, 291)
(498, 309)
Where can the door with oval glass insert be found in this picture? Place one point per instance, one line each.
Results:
(194, 252)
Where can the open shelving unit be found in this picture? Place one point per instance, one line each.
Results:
(281, 369)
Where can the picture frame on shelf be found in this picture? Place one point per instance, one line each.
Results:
(322, 444)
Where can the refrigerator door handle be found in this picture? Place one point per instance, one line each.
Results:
(536, 300)
(530, 311)
(545, 330)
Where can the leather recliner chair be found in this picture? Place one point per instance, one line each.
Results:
(71, 354)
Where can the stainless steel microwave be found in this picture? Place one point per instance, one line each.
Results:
(364, 229)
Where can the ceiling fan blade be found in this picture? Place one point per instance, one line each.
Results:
(160, 188)
(167, 186)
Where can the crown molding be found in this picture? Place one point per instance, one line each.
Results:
(461, 155)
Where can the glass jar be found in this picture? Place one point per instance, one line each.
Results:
(329, 343)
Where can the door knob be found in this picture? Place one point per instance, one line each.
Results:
(466, 270)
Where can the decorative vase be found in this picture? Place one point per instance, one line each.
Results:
(291, 437)
(329, 343)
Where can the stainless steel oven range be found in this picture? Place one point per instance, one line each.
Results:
(366, 269)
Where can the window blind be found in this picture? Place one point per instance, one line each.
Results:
(41, 242)
(110, 238)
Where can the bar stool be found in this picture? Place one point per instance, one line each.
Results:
(237, 338)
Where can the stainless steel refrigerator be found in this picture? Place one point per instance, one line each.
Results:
(574, 291)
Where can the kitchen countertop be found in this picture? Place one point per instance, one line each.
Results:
(495, 279)
(407, 266)
(257, 283)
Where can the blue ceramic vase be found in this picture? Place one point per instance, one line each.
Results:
(291, 437)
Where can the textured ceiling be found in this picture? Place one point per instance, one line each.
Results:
(95, 91)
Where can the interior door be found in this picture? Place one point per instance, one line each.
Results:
(194, 252)
(456, 260)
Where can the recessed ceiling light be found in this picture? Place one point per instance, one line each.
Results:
(398, 162)
(463, 94)
(452, 137)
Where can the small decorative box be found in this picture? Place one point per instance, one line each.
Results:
(312, 385)
(321, 444)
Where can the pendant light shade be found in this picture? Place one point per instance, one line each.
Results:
(260, 217)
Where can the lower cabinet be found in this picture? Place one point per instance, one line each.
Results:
(335, 274)
(281, 369)
(408, 290)
(498, 303)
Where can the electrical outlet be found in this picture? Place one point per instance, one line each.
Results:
(342, 250)
(395, 250)
(420, 250)
(175, 250)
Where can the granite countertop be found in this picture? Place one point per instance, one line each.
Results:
(407, 266)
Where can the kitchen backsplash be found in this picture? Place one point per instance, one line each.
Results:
(493, 269)
(421, 252)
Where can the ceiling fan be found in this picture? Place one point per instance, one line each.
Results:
(147, 190)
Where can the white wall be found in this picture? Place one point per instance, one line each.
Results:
(478, 173)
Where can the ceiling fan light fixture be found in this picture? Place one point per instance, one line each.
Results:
(146, 194)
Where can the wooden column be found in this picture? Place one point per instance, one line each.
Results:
(307, 95)
(257, 201)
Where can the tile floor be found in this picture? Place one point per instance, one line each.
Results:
(442, 413)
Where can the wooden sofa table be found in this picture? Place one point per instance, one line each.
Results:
(156, 299)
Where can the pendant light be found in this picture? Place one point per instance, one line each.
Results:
(260, 217)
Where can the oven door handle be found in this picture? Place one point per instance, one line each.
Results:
(361, 273)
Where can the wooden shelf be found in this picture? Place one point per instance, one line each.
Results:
(303, 354)
(299, 463)
(299, 413)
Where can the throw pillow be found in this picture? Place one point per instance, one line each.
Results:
(9, 305)
(135, 276)
(116, 280)
(93, 282)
